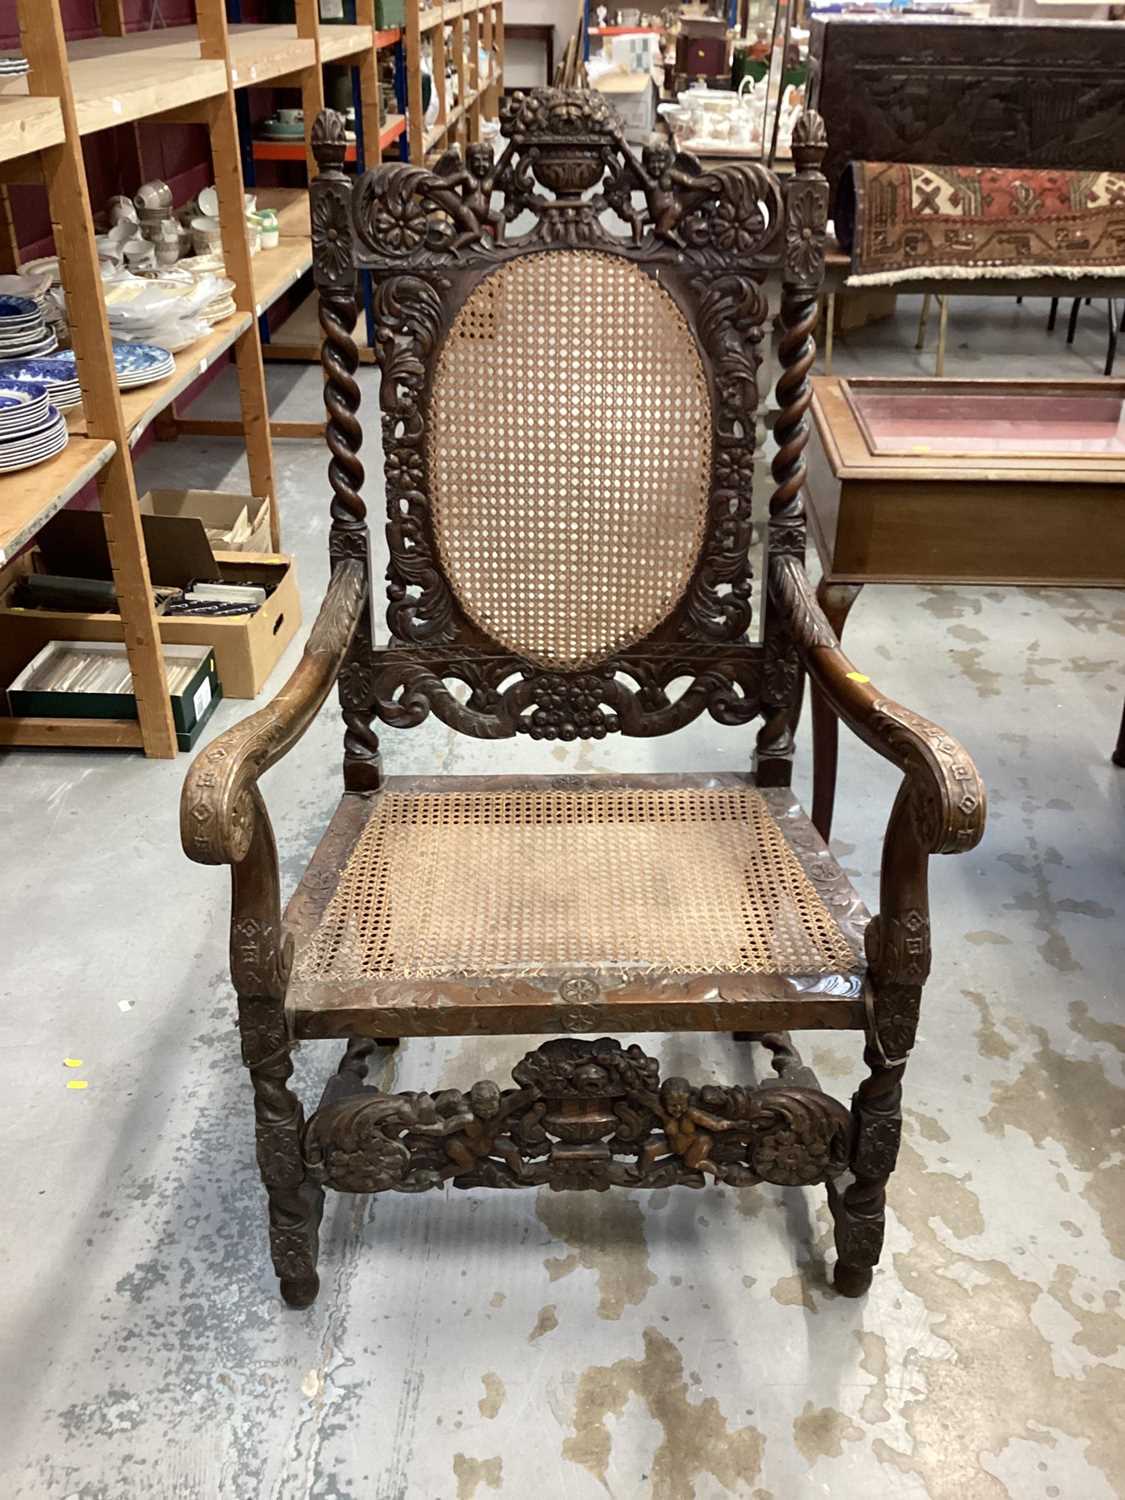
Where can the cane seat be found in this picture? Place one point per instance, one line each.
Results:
(565, 889)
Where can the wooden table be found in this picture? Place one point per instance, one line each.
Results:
(900, 490)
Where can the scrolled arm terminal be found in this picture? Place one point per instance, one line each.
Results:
(218, 803)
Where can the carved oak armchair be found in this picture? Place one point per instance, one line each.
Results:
(568, 414)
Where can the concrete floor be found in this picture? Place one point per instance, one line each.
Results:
(674, 1345)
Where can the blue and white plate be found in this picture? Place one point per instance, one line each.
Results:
(23, 408)
(18, 310)
(59, 379)
(22, 453)
(139, 364)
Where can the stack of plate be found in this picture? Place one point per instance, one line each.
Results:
(13, 67)
(141, 364)
(31, 429)
(137, 364)
(56, 374)
(23, 332)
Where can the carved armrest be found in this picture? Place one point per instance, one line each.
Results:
(949, 796)
(939, 809)
(218, 807)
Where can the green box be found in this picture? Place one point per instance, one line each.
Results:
(191, 708)
(390, 13)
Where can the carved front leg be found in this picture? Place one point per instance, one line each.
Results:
(259, 968)
(859, 1210)
(295, 1203)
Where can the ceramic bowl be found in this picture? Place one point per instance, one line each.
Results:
(208, 202)
(153, 195)
(206, 235)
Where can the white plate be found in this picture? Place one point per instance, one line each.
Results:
(9, 463)
(39, 439)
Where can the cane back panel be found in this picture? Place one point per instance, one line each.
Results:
(569, 457)
(568, 421)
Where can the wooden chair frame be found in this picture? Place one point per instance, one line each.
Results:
(712, 239)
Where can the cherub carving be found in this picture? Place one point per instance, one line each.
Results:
(687, 1130)
(471, 208)
(474, 1124)
(672, 188)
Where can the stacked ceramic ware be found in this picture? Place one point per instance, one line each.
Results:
(55, 373)
(137, 364)
(23, 331)
(141, 364)
(31, 429)
(13, 66)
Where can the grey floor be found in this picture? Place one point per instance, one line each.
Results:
(575, 1346)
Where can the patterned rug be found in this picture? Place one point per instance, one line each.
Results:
(902, 222)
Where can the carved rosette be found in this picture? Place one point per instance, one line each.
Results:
(584, 1115)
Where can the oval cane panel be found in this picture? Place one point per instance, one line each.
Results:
(569, 456)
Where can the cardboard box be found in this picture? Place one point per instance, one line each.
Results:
(225, 518)
(633, 96)
(858, 306)
(192, 706)
(247, 647)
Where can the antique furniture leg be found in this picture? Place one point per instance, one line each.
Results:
(836, 600)
(943, 325)
(259, 970)
(859, 1209)
(923, 319)
(1052, 315)
(829, 331)
(939, 809)
(1111, 350)
(1119, 749)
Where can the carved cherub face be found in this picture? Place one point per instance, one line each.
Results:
(656, 159)
(479, 159)
(485, 1099)
(675, 1095)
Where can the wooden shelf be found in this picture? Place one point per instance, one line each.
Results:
(340, 41)
(31, 497)
(139, 407)
(435, 133)
(269, 50)
(299, 337)
(291, 205)
(101, 734)
(393, 127)
(275, 271)
(264, 150)
(121, 78)
(117, 79)
(28, 124)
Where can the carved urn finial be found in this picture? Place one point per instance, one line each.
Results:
(810, 141)
(565, 131)
(330, 140)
